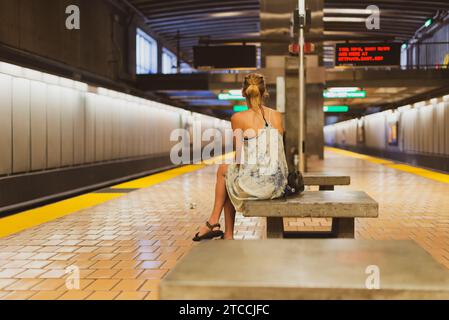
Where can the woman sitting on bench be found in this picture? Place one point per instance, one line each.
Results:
(261, 169)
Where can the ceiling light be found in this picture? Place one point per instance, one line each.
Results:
(240, 108)
(227, 96)
(343, 19)
(347, 11)
(335, 109)
(344, 89)
(227, 14)
(345, 94)
(237, 92)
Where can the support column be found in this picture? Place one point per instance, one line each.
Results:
(343, 228)
(275, 228)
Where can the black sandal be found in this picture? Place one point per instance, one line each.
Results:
(211, 234)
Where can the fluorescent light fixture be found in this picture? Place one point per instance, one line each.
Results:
(345, 95)
(328, 109)
(227, 14)
(343, 19)
(227, 96)
(240, 108)
(347, 11)
(344, 89)
(237, 92)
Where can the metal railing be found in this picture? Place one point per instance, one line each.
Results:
(425, 55)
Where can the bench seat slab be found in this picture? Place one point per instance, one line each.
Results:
(307, 269)
(318, 204)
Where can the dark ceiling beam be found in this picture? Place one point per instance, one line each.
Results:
(187, 24)
(182, 4)
(206, 7)
(393, 26)
(419, 5)
(191, 13)
(204, 32)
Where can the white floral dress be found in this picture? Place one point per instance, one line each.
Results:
(262, 172)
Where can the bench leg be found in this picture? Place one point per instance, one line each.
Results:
(326, 188)
(275, 228)
(343, 228)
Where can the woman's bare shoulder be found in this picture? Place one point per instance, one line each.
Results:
(274, 113)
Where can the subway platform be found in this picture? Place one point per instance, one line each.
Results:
(124, 239)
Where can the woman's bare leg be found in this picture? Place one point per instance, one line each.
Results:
(229, 214)
(220, 197)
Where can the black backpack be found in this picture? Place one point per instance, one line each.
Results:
(295, 184)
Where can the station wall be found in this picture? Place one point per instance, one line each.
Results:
(50, 124)
(418, 134)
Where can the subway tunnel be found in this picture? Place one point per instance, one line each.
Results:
(122, 124)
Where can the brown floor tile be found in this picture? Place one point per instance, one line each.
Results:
(49, 285)
(136, 295)
(103, 295)
(152, 274)
(6, 282)
(54, 273)
(150, 285)
(10, 273)
(154, 295)
(18, 295)
(30, 274)
(102, 285)
(128, 285)
(22, 284)
(150, 265)
(102, 274)
(75, 295)
(128, 273)
(104, 264)
(46, 295)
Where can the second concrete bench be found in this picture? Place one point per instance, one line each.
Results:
(326, 181)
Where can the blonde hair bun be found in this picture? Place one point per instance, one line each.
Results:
(254, 90)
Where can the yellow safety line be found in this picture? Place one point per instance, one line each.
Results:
(31, 218)
(359, 156)
(429, 174)
(220, 159)
(169, 174)
(437, 176)
(158, 177)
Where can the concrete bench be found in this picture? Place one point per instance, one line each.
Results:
(325, 181)
(343, 206)
(306, 269)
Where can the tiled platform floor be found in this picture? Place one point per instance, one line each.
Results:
(125, 246)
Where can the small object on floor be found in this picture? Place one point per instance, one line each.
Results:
(192, 205)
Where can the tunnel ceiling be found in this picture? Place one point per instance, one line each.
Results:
(237, 19)
(228, 19)
(399, 18)
(200, 18)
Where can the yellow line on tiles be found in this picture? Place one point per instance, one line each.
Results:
(359, 156)
(220, 159)
(437, 176)
(429, 174)
(31, 218)
(158, 177)
(170, 174)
